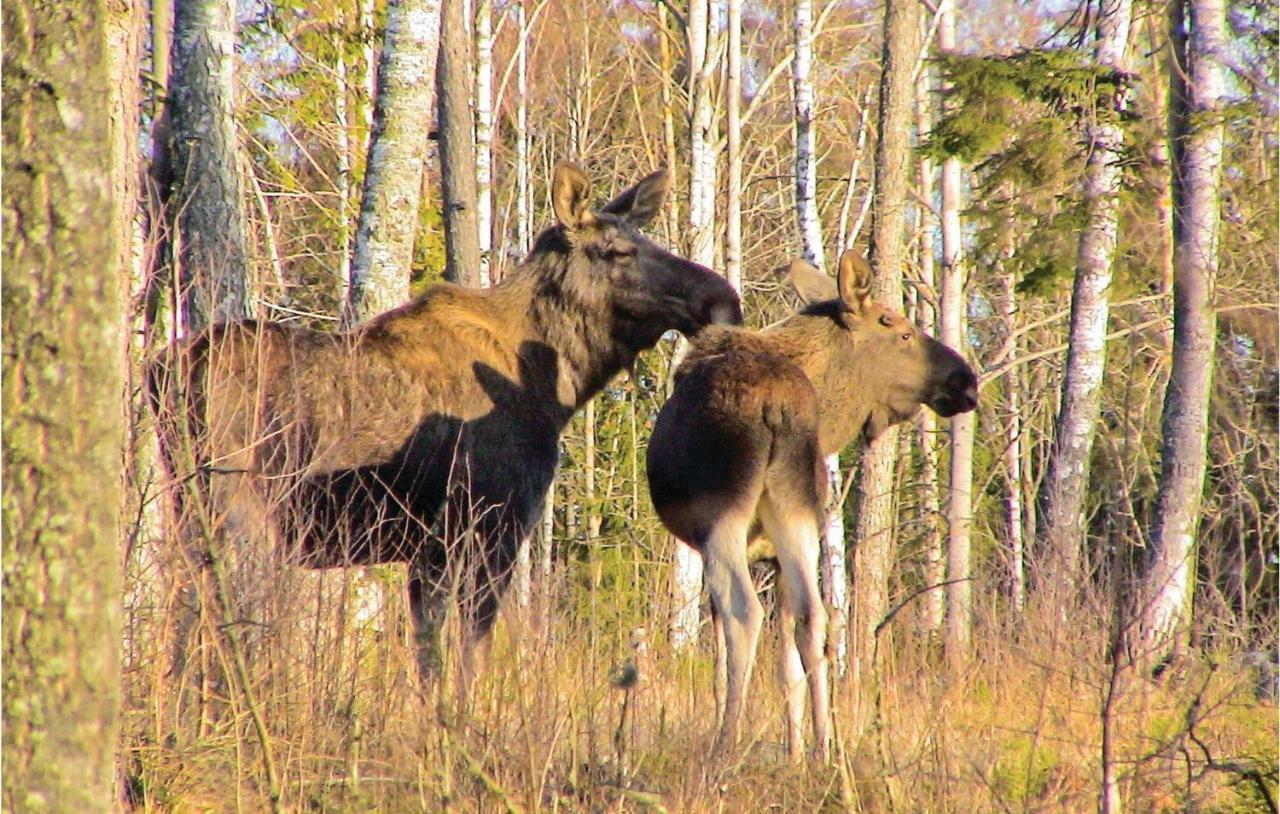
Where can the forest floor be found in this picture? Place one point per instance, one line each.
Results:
(595, 713)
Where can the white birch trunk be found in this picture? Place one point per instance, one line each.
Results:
(806, 152)
(524, 236)
(393, 170)
(959, 624)
(484, 136)
(1061, 514)
(847, 237)
(1197, 173)
(1013, 452)
(733, 126)
(343, 148)
(835, 568)
(687, 574)
(832, 556)
(524, 205)
(934, 603)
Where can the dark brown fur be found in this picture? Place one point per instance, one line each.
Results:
(738, 448)
(386, 443)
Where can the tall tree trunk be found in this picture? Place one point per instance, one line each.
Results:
(806, 151)
(523, 577)
(484, 137)
(834, 570)
(1197, 172)
(934, 603)
(206, 198)
(1014, 437)
(700, 70)
(873, 534)
(951, 319)
(457, 145)
(1061, 515)
(733, 128)
(341, 113)
(666, 64)
(393, 170)
(69, 133)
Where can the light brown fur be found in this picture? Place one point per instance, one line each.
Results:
(435, 425)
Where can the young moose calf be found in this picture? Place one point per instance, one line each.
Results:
(741, 442)
(438, 421)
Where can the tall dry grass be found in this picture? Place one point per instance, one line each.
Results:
(584, 707)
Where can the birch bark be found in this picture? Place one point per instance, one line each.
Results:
(392, 187)
(1197, 172)
(484, 137)
(1061, 513)
(952, 320)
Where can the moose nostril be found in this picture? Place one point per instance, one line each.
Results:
(725, 312)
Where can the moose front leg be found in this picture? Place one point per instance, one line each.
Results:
(429, 601)
(472, 578)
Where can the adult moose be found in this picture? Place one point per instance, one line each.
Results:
(737, 450)
(429, 435)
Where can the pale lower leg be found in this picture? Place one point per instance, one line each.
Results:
(796, 545)
(729, 582)
(721, 678)
(792, 677)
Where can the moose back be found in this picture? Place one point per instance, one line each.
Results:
(434, 425)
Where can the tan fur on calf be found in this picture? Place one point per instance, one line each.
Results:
(738, 448)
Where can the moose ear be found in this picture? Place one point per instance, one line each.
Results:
(571, 196)
(810, 283)
(854, 281)
(642, 202)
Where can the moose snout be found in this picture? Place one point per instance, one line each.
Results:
(958, 393)
(720, 306)
(962, 386)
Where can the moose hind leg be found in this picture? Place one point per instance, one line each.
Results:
(728, 580)
(791, 675)
(796, 543)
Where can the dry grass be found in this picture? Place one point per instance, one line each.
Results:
(1016, 729)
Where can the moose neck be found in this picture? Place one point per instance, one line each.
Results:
(821, 348)
(573, 324)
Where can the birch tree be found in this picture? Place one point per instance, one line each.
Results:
(951, 318)
(934, 603)
(69, 135)
(484, 136)
(393, 171)
(1060, 516)
(454, 82)
(206, 197)
(733, 147)
(806, 155)
(1198, 87)
(523, 576)
(873, 535)
(834, 571)
(1014, 438)
(701, 59)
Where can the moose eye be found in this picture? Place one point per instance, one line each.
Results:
(616, 253)
(906, 337)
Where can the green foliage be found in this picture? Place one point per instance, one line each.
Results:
(988, 95)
